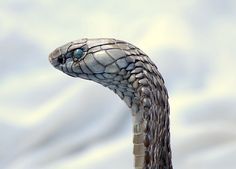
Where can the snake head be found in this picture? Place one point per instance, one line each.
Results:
(100, 60)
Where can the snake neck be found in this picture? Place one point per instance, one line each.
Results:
(147, 96)
(151, 125)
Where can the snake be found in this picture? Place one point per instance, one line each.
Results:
(133, 76)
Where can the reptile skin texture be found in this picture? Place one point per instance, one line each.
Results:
(130, 73)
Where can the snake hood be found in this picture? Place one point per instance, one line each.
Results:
(131, 74)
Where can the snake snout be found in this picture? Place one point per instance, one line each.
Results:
(54, 57)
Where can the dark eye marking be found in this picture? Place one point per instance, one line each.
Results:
(61, 59)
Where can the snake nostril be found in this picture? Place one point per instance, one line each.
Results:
(61, 59)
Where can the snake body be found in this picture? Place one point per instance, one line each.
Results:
(129, 72)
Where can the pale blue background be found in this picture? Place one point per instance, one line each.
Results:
(51, 121)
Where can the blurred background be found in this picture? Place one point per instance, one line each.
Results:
(52, 121)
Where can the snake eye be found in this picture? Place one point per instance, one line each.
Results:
(61, 59)
(78, 53)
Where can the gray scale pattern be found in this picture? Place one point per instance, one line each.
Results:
(130, 73)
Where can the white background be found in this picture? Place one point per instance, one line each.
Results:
(51, 121)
